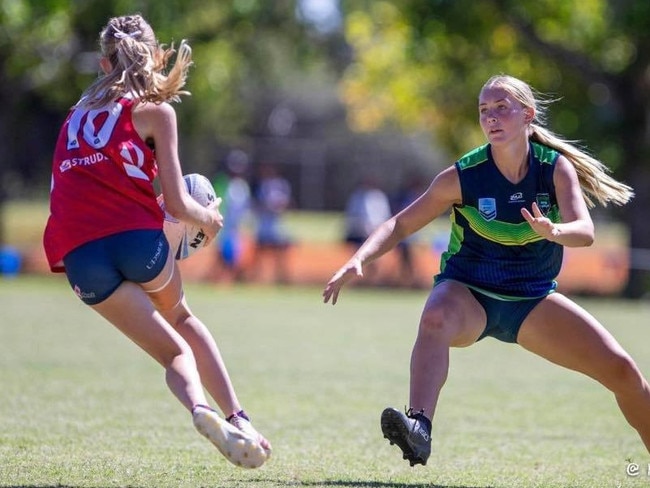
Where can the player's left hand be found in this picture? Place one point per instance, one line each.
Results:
(540, 223)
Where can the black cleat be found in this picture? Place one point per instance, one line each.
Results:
(409, 432)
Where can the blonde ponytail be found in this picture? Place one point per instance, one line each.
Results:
(138, 65)
(593, 175)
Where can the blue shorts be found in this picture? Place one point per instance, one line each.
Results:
(504, 317)
(97, 268)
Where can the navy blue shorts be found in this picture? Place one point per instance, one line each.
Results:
(97, 268)
(504, 317)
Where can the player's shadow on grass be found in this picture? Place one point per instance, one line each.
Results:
(381, 484)
(59, 486)
(340, 484)
(332, 483)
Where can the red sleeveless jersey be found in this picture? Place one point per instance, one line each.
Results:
(102, 180)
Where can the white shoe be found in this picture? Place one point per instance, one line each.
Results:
(243, 423)
(238, 446)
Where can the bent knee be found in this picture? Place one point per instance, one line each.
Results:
(178, 314)
(171, 355)
(434, 320)
(623, 375)
(443, 321)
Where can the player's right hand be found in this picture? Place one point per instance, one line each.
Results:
(216, 222)
(352, 269)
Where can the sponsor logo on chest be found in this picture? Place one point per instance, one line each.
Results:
(487, 206)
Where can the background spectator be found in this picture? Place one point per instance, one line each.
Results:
(232, 185)
(272, 199)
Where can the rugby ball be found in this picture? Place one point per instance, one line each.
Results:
(184, 239)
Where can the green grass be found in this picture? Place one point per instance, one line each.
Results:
(82, 407)
(23, 222)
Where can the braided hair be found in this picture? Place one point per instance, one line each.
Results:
(138, 65)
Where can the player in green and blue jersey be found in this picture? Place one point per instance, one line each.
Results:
(515, 203)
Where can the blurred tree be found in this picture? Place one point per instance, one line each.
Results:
(49, 54)
(49, 48)
(265, 81)
(420, 64)
(414, 66)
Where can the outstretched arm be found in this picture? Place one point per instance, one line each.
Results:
(443, 192)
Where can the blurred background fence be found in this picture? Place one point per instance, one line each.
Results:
(336, 94)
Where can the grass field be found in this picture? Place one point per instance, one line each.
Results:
(83, 407)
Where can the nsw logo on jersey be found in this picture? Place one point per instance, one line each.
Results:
(487, 207)
(543, 202)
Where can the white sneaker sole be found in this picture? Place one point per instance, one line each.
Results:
(237, 447)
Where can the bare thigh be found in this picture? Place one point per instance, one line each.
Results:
(166, 290)
(166, 294)
(131, 311)
(138, 310)
(564, 333)
(453, 312)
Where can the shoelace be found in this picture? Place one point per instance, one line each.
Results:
(243, 423)
(239, 422)
(410, 413)
(417, 424)
(240, 414)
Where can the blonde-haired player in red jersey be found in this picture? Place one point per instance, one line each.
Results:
(105, 225)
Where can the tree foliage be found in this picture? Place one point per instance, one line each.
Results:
(50, 47)
(49, 54)
(416, 66)
(423, 64)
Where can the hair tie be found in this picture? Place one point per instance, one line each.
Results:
(123, 35)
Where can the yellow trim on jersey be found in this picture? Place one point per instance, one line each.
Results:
(503, 233)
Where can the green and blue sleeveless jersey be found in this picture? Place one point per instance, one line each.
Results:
(492, 247)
